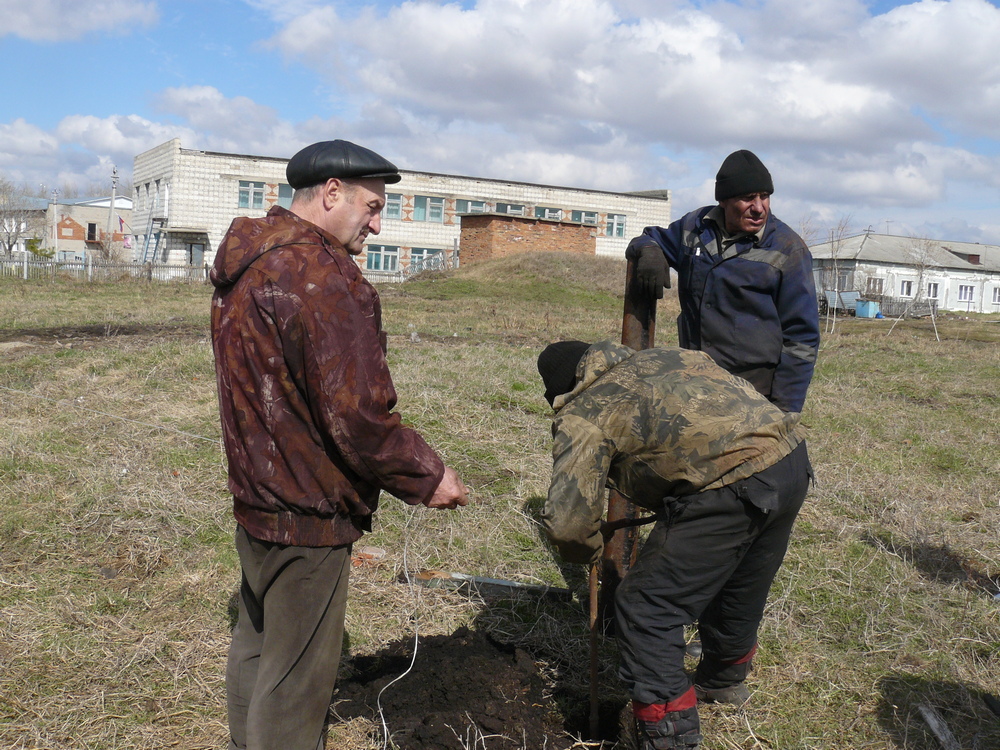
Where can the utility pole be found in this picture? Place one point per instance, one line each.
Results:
(111, 210)
(55, 224)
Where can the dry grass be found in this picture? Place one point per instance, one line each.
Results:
(116, 561)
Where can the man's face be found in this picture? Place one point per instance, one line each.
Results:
(746, 213)
(356, 213)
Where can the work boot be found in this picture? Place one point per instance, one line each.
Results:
(734, 695)
(717, 681)
(668, 726)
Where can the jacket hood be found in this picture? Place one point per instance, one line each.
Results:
(597, 360)
(248, 239)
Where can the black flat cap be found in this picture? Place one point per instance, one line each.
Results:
(341, 159)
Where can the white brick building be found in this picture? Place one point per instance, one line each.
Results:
(185, 200)
(959, 276)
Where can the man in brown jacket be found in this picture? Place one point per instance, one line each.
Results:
(306, 402)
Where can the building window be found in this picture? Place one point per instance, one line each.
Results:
(514, 209)
(554, 214)
(615, 226)
(196, 253)
(382, 258)
(422, 258)
(996, 295)
(873, 285)
(906, 289)
(251, 194)
(464, 206)
(426, 208)
(965, 293)
(585, 217)
(932, 290)
(285, 193)
(92, 233)
(393, 206)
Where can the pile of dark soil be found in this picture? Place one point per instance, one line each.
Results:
(465, 690)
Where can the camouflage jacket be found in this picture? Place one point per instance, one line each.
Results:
(305, 394)
(653, 424)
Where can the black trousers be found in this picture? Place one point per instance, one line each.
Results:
(710, 559)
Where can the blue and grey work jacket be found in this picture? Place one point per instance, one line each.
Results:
(751, 306)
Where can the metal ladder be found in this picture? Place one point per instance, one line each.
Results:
(155, 223)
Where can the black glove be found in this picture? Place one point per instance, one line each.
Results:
(651, 271)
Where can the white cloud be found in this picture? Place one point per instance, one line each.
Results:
(58, 20)
(22, 139)
(206, 109)
(843, 104)
(684, 80)
(875, 116)
(118, 136)
(940, 56)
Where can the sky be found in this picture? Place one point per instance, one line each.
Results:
(868, 113)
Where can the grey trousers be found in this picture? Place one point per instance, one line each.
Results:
(286, 645)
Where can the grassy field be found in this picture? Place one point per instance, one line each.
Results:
(117, 569)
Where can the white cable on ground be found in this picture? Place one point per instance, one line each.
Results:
(416, 629)
(406, 538)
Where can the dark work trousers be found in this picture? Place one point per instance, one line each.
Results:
(286, 645)
(710, 558)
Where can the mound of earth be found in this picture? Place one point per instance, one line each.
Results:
(465, 690)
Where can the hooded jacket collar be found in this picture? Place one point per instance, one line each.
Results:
(248, 239)
(596, 361)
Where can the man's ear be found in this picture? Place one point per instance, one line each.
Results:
(332, 191)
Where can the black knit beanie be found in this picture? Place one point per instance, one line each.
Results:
(557, 365)
(742, 173)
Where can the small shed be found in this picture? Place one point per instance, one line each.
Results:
(489, 235)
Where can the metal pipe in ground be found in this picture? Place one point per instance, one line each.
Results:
(595, 718)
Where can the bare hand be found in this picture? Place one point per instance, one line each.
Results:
(450, 493)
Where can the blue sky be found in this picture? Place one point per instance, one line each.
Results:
(873, 114)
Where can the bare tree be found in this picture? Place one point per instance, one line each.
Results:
(837, 235)
(807, 230)
(920, 253)
(21, 216)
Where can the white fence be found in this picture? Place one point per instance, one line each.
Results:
(436, 262)
(50, 270)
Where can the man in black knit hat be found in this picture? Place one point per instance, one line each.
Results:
(745, 283)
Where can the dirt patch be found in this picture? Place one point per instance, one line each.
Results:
(89, 333)
(465, 690)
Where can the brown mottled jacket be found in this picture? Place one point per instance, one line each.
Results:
(305, 394)
(652, 424)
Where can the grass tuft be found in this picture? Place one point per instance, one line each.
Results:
(117, 569)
